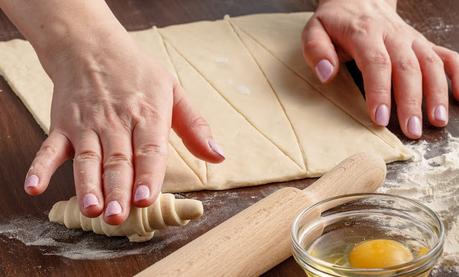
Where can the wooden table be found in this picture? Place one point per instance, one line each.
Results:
(20, 137)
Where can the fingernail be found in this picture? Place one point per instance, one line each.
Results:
(216, 148)
(113, 208)
(382, 115)
(324, 70)
(90, 200)
(31, 181)
(440, 113)
(142, 193)
(414, 126)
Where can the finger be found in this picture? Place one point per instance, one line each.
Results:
(319, 51)
(194, 130)
(118, 174)
(407, 81)
(451, 61)
(150, 139)
(371, 57)
(87, 173)
(54, 151)
(434, 82)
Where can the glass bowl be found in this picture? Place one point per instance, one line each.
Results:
(324, 234)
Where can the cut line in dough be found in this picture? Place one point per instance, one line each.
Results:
(247, 77)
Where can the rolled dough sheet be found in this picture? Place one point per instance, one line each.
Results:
(247, 77)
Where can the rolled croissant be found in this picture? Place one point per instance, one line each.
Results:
(141, 223)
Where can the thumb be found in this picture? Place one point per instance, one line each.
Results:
(319, 51)
(194, 129)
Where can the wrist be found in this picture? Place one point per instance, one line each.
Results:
(84, 49)
(62, 39)
(62, 32)
(56, 28)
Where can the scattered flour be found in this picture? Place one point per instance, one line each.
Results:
(54, 239)
(221, 60)
(243, 89)
(432, 177)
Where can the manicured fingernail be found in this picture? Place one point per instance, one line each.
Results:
(216, 148)
(113, 208)
(90, 200)
(414, 126)
(440, 113)
(324, 70)
(31, 181)
(142, 193)
(382, 115)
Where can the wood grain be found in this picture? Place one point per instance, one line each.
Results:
(20, 137)
(239, 246)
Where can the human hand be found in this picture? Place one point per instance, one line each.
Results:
(387, 51)
(113, 108)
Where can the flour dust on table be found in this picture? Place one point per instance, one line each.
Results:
(432, 177)
(54, 239)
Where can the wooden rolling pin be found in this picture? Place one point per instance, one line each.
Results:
(258, 238)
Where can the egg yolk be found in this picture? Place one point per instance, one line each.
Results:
(422, 251)
(379, 253)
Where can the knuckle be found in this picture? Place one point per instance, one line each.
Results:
(432, 60)
(376, 58)
(412, 102)
(126, 122)
(198, 122)
(311, 45)
(379, 91)
(379, 58)
(87, 155)
(150, 113)
(407, 65)
(39, 165)
(118, 159)
(108, 121)
(361, 26)
(179, 100)
(129, 108)
(151, 149)
(47, 150)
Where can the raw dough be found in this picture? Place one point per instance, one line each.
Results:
(246, 75)
(141, 223)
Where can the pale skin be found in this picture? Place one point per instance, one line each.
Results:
(113, 107)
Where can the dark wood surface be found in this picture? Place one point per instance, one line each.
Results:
(20, 137)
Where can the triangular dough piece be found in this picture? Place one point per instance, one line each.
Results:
(152, 44)
(251, 157)
(320, 124)
(280, 34)
(179, 176)
(19, 63)
(216, 52)
(250, 120)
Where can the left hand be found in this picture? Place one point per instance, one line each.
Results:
(387, 51)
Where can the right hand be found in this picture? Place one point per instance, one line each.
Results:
(391, 55)
(113, 108)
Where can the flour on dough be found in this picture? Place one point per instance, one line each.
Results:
(246, 75)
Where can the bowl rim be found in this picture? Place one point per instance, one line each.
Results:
(438, 247)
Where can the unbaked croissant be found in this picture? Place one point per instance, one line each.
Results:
(141, 223)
